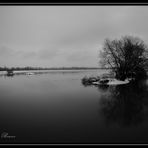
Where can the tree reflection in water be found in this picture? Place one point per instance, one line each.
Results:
(125, 105)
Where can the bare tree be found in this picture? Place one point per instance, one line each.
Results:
(127, 57)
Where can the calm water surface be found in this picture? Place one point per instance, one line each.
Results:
(56, 107)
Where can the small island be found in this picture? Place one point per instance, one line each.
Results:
(127, 60)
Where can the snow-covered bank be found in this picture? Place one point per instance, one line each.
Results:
(112, 82)
(118, 82)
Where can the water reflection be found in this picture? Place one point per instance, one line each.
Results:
(103, 88)
(126, 105)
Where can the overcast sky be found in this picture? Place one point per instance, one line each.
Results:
(55, 36)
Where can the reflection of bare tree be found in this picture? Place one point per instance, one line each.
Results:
(126, 104)
(103, 87)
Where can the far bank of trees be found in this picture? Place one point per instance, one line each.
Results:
(44, 68)
(127, 57)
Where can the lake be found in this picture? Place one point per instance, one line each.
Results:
(56, 108)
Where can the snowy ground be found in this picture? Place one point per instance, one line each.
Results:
(113, 82)
(117, 82)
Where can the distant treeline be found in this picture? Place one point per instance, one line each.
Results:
(52, 68)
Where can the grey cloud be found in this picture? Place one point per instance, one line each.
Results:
(65, 33)
(48, 52)
(43, 54)
(82, 55)
(79, 57)
(30, 54)
(5, 51)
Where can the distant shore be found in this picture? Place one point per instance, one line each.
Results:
(53, 68)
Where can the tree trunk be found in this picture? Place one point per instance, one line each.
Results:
(120, 75)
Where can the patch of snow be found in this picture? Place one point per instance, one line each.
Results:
(96, 83)
(113, 82)
(117, 82)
